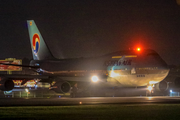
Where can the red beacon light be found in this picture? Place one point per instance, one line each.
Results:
(138, 49)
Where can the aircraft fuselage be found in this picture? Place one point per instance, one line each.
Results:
(124, 68)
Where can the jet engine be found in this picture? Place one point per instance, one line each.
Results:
(162, 86)
(6, 84)
(61, 87)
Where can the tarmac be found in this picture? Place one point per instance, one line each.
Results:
(66, 101)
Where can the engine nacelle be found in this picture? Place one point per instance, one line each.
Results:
(6, 84)
(162, 86)
(61, 87)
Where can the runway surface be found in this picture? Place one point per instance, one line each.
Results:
(87, 101)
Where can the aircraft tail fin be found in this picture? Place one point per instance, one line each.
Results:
(40, 50)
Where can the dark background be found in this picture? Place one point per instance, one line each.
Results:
(85, 28)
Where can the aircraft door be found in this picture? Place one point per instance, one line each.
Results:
(133, 71)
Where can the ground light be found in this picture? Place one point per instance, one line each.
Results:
(26, 90)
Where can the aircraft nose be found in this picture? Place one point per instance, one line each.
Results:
(165, 67)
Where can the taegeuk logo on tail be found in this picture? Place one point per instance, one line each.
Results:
(36, 43)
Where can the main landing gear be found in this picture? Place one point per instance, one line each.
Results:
(74, 91)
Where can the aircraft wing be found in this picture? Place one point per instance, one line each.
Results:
(36, 67)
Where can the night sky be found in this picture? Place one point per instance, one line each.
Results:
(85, 28)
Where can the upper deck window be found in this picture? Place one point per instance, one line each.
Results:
(127, 56)
(130, 56)
(116, 56)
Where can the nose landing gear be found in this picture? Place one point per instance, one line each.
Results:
(149, 89)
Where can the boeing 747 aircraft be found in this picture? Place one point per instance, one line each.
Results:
(129, 68)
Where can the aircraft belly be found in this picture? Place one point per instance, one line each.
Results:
(125, 78)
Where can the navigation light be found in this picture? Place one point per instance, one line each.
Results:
(138, 49)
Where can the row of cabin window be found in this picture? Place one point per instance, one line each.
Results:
(140, 75)
(148, 68)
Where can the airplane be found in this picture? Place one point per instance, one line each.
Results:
(128, 68)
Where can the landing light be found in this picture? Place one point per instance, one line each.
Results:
(94, 78)
(149, 88)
